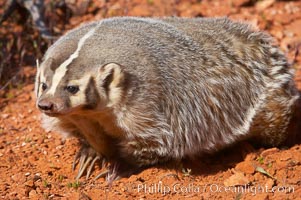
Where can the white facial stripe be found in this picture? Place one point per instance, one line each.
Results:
(38, 79)
(62, 69)
(42, 79)
(80, 97)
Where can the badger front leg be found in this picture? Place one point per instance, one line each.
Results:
(86, 157)
(96, 145)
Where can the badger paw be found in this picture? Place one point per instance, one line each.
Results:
(86, 158)
(112, 169)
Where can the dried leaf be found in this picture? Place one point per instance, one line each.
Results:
(261, 170)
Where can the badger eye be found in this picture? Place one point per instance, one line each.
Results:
(72, 89)
(44, 86)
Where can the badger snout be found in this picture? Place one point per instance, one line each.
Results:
(45, 105)
(50, 106)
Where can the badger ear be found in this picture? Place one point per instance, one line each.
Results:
(111, 75)
(111, 78)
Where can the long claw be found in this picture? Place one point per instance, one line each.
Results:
(83, 166)
(86, 159)
(89, 170)
(102, 174)
(103, 163)
(82, 161)
(113, 175)
(76, 157)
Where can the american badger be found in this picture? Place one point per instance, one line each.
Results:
(139, 91)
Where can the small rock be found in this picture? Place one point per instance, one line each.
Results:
(269, 152)
(288, 42)
(277, 33)
(38, 190)
(262, 5)
(270, 183)
(13, 194)
(295, 27)
(294, 181)
(36, 177)
(19, 178)
(59, 142)
(40, 141)
(115, 10)
(239, 2)
(236, 179)
(262, 196)
(5, 116)
(250, 157)
(258, 177)
(29, 183)
(288, 33)
(21, 116)
(84, 196)
(246, 167)
(279, 164)
(32, 194)
(27, 174)
(286, 156)
(59, 147)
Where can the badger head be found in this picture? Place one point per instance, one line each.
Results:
(71, 80)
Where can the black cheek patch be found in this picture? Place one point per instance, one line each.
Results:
(64, 99)
(92, 96)
(67, 103)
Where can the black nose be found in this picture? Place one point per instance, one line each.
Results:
(45, 105)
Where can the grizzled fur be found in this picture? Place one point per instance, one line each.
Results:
(150, 90)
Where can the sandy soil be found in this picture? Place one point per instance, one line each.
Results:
(35, 164)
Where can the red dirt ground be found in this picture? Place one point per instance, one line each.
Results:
(35, 164)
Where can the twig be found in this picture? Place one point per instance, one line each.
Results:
(10, 80)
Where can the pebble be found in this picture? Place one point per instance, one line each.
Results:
(236, 179)
(32, 194)
(270, 183)
(30, 183)
(262, 5)
(269, 152)
(5, 116)
(246, 167)
(18, 178)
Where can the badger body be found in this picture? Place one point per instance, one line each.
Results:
(147, 90)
